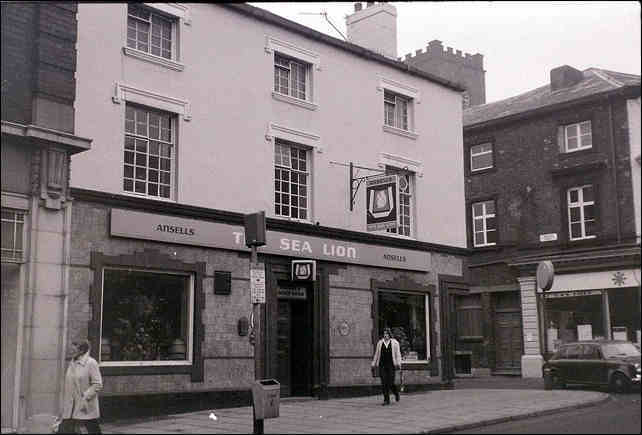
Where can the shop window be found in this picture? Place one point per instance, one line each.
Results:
(12, 235)
(469, 317)
(291, 181)
(147, 317)
(573, 316)
(406, 314)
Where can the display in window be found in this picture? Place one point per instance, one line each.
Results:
(145, 316)
(405, 315)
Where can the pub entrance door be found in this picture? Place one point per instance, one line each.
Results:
(294, 332)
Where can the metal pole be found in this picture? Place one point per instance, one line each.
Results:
(258, 347)
(351, 187)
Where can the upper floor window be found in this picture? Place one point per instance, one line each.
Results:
(291, 180)
(12, 235)
(396, 110)
(481, 157)
(149, 157)
(150, 32)
(291, 77)
(484, 224)
(578, 136)
(581, 212)
(405, 202)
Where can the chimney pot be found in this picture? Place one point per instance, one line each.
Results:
(357, 7)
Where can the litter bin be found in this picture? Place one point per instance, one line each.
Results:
(265, 394)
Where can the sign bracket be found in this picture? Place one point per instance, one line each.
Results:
(355, 182)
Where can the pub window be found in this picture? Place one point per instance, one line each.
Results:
(147, 317)
(406, 314)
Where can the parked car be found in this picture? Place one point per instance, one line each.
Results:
(611, 363)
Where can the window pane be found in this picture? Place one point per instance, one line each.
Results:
(128, 185)
(478, 209)
(491, 236)
(589, 228)
(573, 195)
(490, 224)
(490, 207)
(478, 225)
(587, 194)
(576, 231)
(145, 315)
(585, 128)
(575, 214)
(482, 161)
(405, 315)
(479, 239)
(571, 144)
(589, 212)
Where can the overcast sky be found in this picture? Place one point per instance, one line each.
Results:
(520, 41)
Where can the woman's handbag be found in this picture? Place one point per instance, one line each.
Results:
(375, 371)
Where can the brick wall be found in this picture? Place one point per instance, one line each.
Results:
(529, 180)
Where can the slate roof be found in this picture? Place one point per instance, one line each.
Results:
(596, 81)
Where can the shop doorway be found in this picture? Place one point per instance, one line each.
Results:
(294, 330)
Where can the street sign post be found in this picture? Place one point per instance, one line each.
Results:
(257, 283)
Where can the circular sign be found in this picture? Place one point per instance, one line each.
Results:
(344, 328)
(545, 275)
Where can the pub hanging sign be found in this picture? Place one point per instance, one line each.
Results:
(382, 195)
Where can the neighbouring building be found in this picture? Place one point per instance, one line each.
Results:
(191, 132)
(38, 138)
(552, 174)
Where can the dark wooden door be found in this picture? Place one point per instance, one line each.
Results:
(284, 346)
(508, 341)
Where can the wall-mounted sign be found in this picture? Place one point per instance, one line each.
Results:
(257, 283)
(304, 270)
(548, 237)
(292, 293)
(171, 229)
(382, 194)
(572, 294)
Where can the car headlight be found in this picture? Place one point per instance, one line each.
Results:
(637, 366)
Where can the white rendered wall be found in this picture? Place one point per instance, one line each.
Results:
(633, 109)
(224, 159)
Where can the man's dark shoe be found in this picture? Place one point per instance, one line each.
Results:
(387, 402)
(397, 396)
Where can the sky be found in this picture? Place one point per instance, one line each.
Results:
(520, 41)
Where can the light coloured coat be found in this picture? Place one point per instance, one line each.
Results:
(396, 353)
(82, 384)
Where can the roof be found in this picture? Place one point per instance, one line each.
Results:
(596, 81)
(266, 16)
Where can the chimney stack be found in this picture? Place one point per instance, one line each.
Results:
(564, 77)
(374, 28)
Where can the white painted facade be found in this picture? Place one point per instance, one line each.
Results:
(633, 112)
(221, 89)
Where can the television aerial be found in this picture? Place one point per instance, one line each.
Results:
(324, 14)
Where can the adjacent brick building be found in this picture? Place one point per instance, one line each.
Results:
(38, 138)
(552, 174)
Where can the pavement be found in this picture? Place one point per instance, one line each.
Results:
(474, 402)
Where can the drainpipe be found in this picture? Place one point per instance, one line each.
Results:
(614, 172)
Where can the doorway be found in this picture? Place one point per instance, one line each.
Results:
(294, 339)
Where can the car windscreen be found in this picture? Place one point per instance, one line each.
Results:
(614, 350)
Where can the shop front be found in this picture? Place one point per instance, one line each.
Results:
(592, 306)
(164, 296)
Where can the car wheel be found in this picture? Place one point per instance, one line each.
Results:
(620, 384)
(548, 382)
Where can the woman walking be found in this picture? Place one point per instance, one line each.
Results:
(388, 357)
(82, 384)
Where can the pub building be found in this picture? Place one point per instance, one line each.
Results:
(354, 157)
